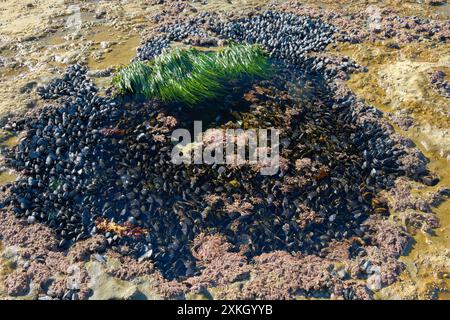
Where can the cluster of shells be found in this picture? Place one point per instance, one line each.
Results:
(92, 164)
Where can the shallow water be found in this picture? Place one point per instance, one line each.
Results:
(7, 177)
(120, 53)
(380, 59)
(11, 142)
(427, 276)
(443, 10)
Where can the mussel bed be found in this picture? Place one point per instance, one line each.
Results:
(94, 164)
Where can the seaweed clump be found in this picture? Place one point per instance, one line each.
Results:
(189, 76)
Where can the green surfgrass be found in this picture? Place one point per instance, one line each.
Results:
(190, 76)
